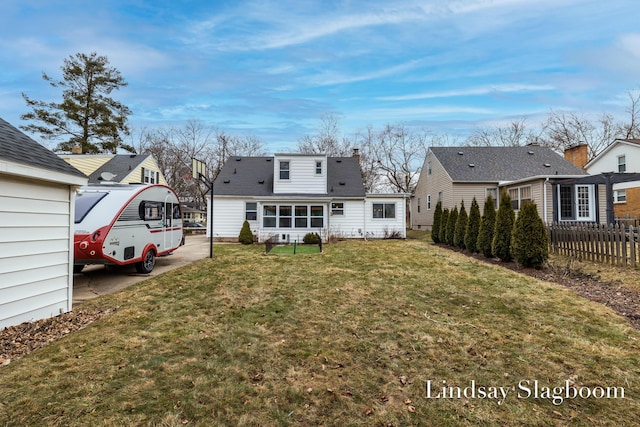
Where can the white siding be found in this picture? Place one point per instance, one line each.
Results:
(35, 250)
(608, 162)
(351, 225)
(228, 216)
(302, 175)
(378, 228)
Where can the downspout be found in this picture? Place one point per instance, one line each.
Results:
(544, 197)
(364, 211)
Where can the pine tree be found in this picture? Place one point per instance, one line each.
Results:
(246, 236)
(473, 227)
(487, 225)
(501, 245)
(442, 233)
(435, 228)
(529, 243)
(451, 226)
(87, 115)
(460, 227)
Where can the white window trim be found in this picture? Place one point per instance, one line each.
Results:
(616, 196)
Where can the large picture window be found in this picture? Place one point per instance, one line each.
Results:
(384, 210)
(288, 216)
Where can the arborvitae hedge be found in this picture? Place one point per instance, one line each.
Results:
(460, 228)
(473, 227)
(487, 225)
(501, 246)
(435, 228)
(529, 242)
(246, 236)
(442, 233)
(451, 226)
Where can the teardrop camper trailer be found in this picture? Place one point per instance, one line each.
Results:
(119, 224)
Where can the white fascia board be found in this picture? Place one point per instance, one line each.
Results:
(538, 177)
(33, 172)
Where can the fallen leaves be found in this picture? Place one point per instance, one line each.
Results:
(19, 340)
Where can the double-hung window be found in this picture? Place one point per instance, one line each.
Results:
(251, 211)
(318, 167)
(284, 169)
(622, 163)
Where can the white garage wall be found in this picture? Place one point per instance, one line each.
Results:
(35, 233)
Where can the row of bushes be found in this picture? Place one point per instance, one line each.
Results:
(494, 234)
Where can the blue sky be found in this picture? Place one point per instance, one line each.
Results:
(271, 69)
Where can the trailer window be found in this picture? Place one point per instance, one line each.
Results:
(150, 211)
(84, 203)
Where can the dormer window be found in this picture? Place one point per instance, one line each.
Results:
(318, 167)
(284, 169)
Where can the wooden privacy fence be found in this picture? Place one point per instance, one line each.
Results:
(611, 244)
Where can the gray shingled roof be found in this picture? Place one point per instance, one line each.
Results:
(493, 164)
(120, 165)
(17, 147)
(253, 176)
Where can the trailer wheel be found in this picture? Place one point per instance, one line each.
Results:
(146, 265)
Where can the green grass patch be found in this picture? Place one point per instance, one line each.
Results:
(351, 337)
(299, 249)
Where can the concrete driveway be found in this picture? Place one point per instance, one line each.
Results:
(96, 280)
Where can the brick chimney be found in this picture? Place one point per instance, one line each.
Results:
(577, 154)
(356, 154)
(76, 149)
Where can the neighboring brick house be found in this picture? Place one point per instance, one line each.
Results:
(455, 174)
(622, 157)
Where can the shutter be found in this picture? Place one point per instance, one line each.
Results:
(142, 177)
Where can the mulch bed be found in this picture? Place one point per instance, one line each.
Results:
(17, 341)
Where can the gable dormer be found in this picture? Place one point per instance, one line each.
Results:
(300, 174)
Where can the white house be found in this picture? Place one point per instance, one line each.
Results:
(37, 191)
(290, 195)
(622, 157)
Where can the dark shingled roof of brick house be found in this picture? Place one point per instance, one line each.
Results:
(120, 165)
(17, 147)
(492, 164)
(253, 176)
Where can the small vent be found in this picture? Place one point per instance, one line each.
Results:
(338, 161)
(261, 181)
(226, 181)
(238, 159)
(268, 160)
(530, 153)
(471, 165)
(235, 171)
(342, 183)
(460, 153)
(547, 165)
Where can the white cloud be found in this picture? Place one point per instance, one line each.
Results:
(482, 90)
